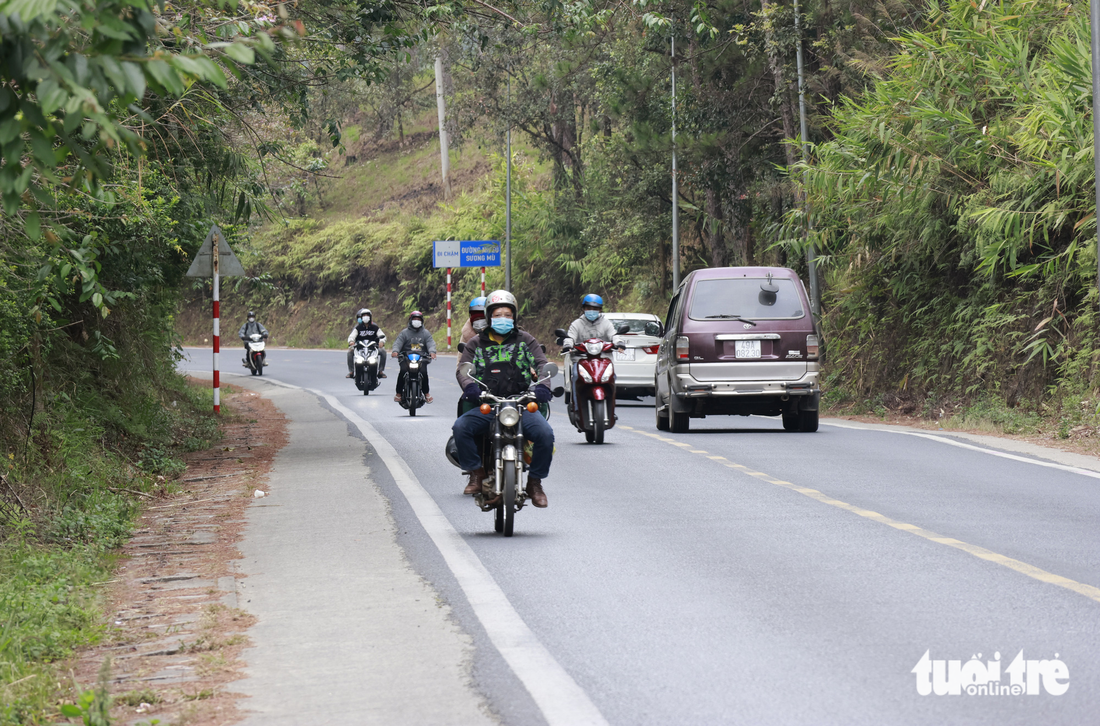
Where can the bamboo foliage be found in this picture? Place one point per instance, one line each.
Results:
(961, 187)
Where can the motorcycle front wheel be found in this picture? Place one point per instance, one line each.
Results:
(413, 395)
(599, 414)
(259, 362)
(508, 505)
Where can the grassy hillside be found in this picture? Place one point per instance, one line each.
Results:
(366, 240)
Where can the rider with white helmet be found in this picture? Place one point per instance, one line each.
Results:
(365, 330)
(507, 360)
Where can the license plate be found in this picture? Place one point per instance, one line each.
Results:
(747, 348)
(627, 354)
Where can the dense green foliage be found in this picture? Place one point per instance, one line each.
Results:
(956, 208)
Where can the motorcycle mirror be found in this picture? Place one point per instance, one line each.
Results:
(461, 347)
(558, 392)
(543, 347)
(560, 332)
(466, 369)
(550, 370)
(623, 329)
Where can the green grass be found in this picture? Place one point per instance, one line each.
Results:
(90, 453)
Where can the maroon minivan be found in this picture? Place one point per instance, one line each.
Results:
(739, 341)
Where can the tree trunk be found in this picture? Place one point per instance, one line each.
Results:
(714, 229)
(782, 86)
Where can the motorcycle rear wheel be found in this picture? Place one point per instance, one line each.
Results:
(508, 505)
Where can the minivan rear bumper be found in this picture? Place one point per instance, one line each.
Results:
(697, 396)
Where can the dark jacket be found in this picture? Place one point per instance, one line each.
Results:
(519, 349)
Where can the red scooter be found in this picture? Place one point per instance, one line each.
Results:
(590, 399)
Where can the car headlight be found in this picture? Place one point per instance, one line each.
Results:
(508, 416)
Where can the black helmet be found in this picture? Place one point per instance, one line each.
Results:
(251, 314)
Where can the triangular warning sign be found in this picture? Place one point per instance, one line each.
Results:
(228, 264)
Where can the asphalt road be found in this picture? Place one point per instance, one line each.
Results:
(740, 574)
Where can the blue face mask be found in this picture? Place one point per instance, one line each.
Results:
(591, 315)
(503, 325)
(359, 320)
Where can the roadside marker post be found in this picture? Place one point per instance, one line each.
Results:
(448, 308)
(452, 253)
(209, 264)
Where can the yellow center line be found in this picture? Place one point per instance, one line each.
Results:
(696, 451)
(1036, 573)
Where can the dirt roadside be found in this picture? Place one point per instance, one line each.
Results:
(175, 631)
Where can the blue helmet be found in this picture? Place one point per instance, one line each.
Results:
(592, 299)
(477, 305)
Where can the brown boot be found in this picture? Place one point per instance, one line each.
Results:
(476, 478)
(535, 492)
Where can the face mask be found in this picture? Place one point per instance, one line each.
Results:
(503, 325)
(480, 325)
(359, 320)
(366, 319)
(416, 324)
(591, 315)
(252, 320)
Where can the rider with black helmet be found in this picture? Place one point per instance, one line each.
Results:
(247, 330)
(414, 334)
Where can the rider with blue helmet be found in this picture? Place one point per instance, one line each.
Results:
(476, 322)
(591, 324)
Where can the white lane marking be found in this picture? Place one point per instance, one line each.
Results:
(972, 447)
(562, 701)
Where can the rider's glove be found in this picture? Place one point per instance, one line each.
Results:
(543, 394)
(472, 391)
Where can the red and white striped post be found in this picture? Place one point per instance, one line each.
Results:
(448, 308)
(483, 282)
(217, 325)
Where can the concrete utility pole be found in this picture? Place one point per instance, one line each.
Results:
(441, 108)
(508, 203)
(1094, 14)
(811, 257)
(675, 191)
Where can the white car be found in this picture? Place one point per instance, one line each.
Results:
(634, 367)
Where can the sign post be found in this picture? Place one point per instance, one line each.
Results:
(464, 253)
(210, 264)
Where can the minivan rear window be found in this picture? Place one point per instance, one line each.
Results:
(745, 297)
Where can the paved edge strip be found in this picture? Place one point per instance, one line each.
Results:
(562, 701)
(972, 447)
(1036, 573)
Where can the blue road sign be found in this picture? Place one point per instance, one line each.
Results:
(466, 253)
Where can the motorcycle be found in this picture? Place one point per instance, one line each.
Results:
(412, 397)
(366, 358)
(504, 453)
(590, 402)
(255, 359)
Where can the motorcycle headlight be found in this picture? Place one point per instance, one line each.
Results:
(606, 374)
(585, 375)
(594, 348)
(508, 416)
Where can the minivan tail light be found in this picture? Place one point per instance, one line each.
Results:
(811, 347)
(682, 346)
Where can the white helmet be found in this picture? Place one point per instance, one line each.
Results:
(500, 297)
(363, 312)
